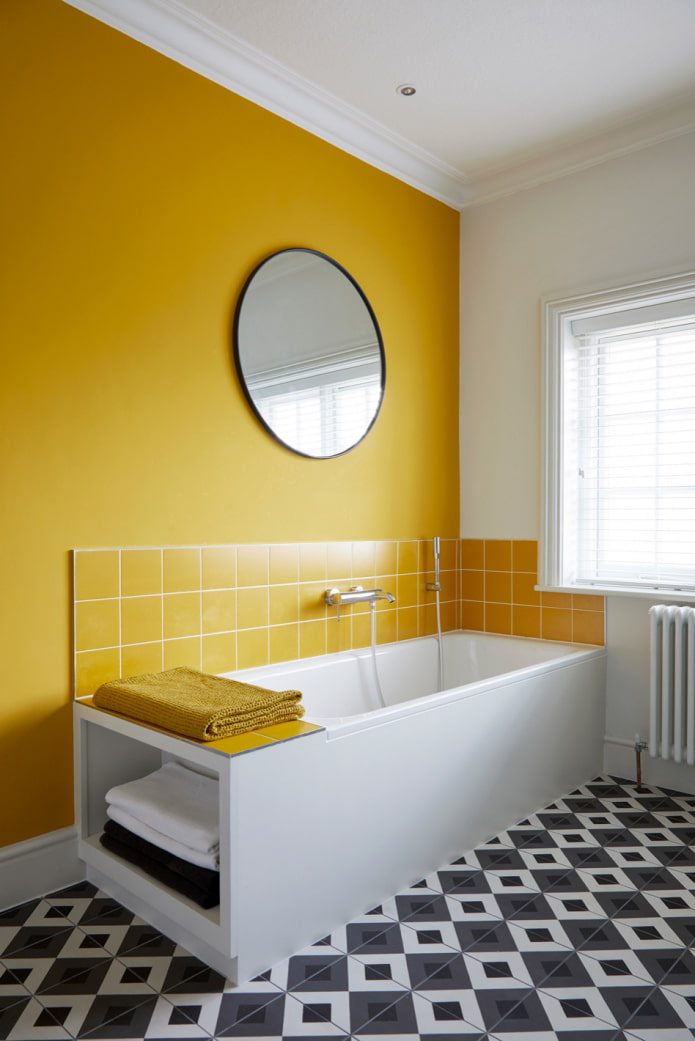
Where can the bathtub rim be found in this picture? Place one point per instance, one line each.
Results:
(342, 726)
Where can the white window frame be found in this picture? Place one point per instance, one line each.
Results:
(557, 314)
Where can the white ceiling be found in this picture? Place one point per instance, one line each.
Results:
(509, 92)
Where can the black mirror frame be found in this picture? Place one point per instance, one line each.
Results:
(237, 355)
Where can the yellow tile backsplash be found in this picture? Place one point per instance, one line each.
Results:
(219, 567)
(97, 574)
(227, 607)
(141, 572)
(222, 608)
(252, 565)
(181, 569)
(499, 595)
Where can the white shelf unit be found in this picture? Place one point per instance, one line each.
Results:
(240, 938)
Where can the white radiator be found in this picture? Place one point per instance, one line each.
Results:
(672, 684)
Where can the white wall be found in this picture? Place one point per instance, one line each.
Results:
(628, 219)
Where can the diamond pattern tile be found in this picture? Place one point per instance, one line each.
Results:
(576, 924)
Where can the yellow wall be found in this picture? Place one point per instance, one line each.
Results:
(137, 199)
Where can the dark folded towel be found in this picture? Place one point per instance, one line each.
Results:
(202, 885)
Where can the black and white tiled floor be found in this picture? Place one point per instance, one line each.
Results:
(578, 924)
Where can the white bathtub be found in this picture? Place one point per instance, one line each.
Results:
(332, 824)
(339, 692)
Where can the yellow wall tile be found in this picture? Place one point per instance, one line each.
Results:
(181, 569)
(219, 610)
(364, 559)
(252, 648)
(312, 602)
(498, 618)
(556, 624)
(182, 652)
(523, 589)
(387, 626)
(451, 616)
(498, 587)
(427, 619)
(253, 565)
(312, 562)
(181, 615)
(386, 558)
(312, 639)
(472, 554)
(219, 567)
(498, 555)
(584, 602)
(407, 557)
(407, 591)
(96, 624)
(284, 642)
(219, 653)
(449, 554)
(284, 564)
(361, 630)
(338, 634)
(141, 572)
(426, 558)
(338, 562)
(525, 555)
(473, 615)
(140, 658)
(407, 620)
(252, 607)
(96, 574)
(588, 627)
(526, 621)
(92, 668)
(473, 585)
(284, 604)
(562, 600)
(450, 585)
(141, 619)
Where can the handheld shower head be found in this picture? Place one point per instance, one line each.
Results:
(435, 586)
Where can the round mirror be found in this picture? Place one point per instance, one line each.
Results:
(309, 353)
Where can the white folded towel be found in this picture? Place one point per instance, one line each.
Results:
(176, 802)
(193, 856)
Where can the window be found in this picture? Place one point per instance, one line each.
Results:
(619, 440)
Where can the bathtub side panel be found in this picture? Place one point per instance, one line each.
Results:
(328, 829)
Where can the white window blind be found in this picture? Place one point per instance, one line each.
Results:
(324, 418)
(620, 508)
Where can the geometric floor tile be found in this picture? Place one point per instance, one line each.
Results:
(576, 924)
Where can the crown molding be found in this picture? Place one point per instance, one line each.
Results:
(200, 45)
(197, 43)
(612, 142)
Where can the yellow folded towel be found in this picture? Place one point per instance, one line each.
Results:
(197, 704)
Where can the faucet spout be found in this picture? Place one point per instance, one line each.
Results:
(356, 595)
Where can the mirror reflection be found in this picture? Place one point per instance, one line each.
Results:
(309, 353)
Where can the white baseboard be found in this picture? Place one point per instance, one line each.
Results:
(38, 866)
(620, 761)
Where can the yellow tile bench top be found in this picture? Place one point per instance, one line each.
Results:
(236, 745)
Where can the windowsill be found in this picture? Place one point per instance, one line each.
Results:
(653, 594)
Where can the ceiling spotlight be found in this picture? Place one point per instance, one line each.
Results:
(406, 89)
